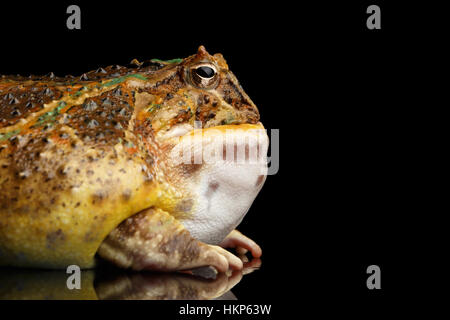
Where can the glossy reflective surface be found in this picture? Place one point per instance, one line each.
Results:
(110, 283)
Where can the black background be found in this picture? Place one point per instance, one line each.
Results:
(340, 94)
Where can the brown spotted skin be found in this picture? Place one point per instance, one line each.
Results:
(145, 240)
(154, 240)
(79, 155)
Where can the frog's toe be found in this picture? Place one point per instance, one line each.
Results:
(233, 262)
(251, 266)
(242, 244)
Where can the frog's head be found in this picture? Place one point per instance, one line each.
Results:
(220, 168)
(199, 89)
(220, 98)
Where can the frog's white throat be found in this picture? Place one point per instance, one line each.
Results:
(227, 170)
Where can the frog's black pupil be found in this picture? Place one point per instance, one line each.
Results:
(205, 72)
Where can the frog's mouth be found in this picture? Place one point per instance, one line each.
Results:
(223, 168)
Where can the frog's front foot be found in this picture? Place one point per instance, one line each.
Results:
(242, 244)
(154, 240)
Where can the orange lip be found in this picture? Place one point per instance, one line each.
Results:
(224, 128)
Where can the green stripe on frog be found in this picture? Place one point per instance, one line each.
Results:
(51, 115)
(178, 60)
(7, 135)
(122, 79)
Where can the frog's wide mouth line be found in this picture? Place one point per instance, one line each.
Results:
(184, 130)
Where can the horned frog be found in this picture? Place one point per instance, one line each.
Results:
(91, 166)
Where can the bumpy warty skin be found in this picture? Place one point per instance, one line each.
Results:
(79, 155)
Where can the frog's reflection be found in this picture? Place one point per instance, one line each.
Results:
(106, 283)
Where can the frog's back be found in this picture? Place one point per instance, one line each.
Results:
(74, 162)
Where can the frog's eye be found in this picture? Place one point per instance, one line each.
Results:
(205, 72)
(204, 76)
